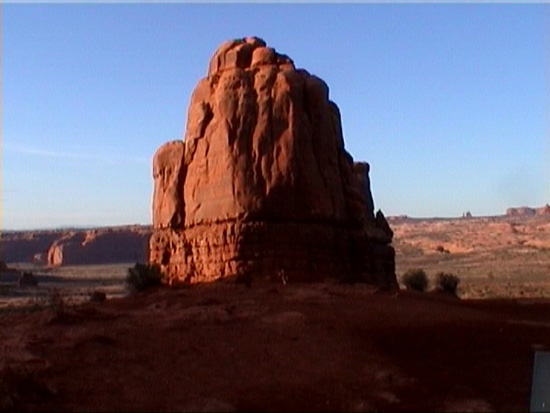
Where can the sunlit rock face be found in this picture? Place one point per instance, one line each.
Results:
(262, 184)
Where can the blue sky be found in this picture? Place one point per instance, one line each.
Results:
(449, 103)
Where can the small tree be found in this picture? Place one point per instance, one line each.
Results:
(447, 283)
(415, 279)
(143, 276)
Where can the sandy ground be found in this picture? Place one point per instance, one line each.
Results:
(271, 347)
(74, 283)
(494, 257)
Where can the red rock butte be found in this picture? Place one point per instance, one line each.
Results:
(262, 185)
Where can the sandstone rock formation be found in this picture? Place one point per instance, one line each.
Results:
(106, 245)
(262, 183)
(100, 246)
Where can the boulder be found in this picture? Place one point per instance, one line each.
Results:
(262, 182)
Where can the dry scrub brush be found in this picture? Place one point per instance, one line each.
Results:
(447, 282)
(143, 276)
(415, 279)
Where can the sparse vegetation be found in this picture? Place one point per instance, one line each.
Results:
(447, 282)
(415, 279)
(442, 249)
(98, 296)
(56, 302)
(143, 276)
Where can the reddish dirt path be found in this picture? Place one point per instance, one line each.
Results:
(320, 347)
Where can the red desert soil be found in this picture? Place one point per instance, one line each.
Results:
(316, 347)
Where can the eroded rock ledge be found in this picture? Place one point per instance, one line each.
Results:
(262, 183)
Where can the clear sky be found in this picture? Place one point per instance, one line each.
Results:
(449, 103)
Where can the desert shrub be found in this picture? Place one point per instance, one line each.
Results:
(56, 302)
(415, 279)
(442, 249)
(143, 276)
(98, 296)
(447, 283)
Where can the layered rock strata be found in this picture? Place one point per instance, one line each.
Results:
(262, 183)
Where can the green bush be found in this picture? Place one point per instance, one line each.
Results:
(415, 279)
(143, 276)
(447, 283)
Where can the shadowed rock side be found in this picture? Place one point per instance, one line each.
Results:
(104, 245)
(99, 247)
(23, 246)
(262, 184)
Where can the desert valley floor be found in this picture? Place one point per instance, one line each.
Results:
(317, 347)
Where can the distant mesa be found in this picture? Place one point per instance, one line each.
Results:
(106, 246)
(125, 244)
(262, 183)
(527, 211)
(521, 212)
(398, 218)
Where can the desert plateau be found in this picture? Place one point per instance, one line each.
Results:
(501, 256)
(504, 256)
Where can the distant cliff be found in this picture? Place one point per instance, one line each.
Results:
(77, 247)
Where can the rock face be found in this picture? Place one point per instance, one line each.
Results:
(262, 183)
